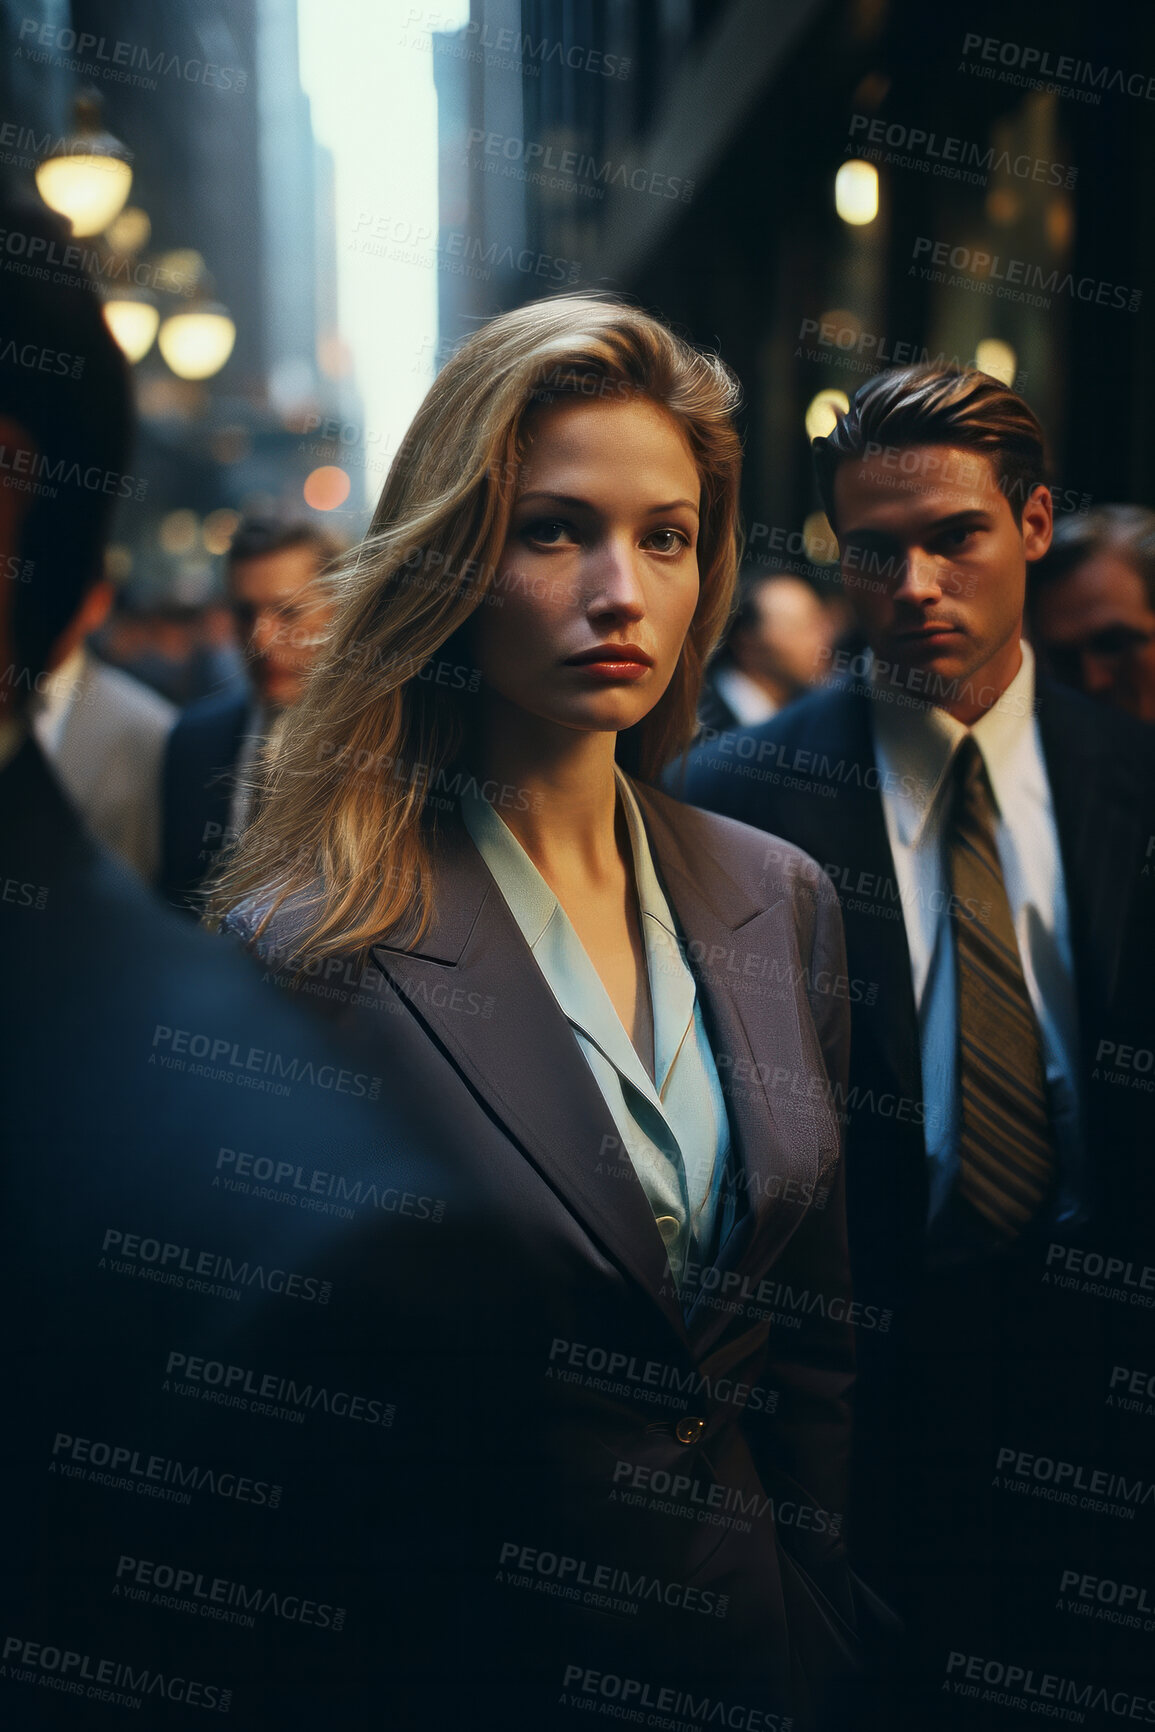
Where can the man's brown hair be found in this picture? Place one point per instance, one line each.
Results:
(938, 406)
(257, 536)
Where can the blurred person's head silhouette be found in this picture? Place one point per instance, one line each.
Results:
(781, 635)
(281, 601)
(66, 424)
(1092, 606)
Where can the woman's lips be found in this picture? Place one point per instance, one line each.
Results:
(611, 662)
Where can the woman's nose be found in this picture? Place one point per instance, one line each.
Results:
(615, 583)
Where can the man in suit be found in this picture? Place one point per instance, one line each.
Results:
(987, 832)
(282, 609)
(777, 646)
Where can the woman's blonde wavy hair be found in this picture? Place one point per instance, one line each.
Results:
(342, 821)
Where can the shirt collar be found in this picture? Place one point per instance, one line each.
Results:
(915, 747)
(561, 956)
(745, 696)
(52, 705)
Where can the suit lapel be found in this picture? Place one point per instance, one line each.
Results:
(743, 955)
(474, 983)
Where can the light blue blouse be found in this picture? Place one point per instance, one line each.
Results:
(674, 1129)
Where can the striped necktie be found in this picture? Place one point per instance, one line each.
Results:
(1005, 1151)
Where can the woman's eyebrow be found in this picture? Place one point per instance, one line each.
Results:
(568, 499)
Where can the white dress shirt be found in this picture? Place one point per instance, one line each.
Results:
(750, 704)
(916, 746)
(672, 1128)
(105, 734)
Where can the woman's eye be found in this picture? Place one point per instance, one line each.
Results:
(549, 531)
(668, 541)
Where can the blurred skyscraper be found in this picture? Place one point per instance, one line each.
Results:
(208, 99)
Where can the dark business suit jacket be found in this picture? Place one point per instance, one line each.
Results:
(987, 1356)
(258, 1329)
(196, 791)
(639, 1432)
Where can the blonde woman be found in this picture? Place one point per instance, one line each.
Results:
(631, 1008)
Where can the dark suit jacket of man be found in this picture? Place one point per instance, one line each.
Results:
(197, 789)
(260, 1328)
(989, 1355)
(654, 1428)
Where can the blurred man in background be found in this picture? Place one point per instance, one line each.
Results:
(283, 608)
(777, 646)
(1092, 606)
(105, 732)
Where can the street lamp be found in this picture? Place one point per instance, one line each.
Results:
(132, 317)
(87, 177)
(856, 192)
(197, 342)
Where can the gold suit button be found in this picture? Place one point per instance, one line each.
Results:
(690, 1429)
(669, 1227)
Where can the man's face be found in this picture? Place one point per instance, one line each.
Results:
(283, 617)
(1096, 628)
(791, 640)
(934, 565)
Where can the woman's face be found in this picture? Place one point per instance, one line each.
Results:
(598, 580)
